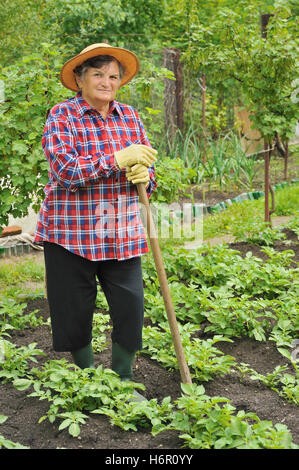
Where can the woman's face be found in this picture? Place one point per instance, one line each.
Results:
(99, 85)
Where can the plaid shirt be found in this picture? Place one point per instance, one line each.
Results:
(90, 208)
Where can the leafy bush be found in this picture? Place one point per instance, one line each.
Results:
(31, 89)
(202, 356)
(173, 179)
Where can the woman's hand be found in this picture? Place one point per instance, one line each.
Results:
(138, 174)
(135, 153)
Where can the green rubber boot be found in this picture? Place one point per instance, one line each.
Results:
(122, 364)
(83, 357)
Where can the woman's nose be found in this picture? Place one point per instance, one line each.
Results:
(104, 80)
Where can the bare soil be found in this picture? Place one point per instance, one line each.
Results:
(24, 412)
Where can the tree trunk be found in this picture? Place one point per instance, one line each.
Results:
(204, 83)
(204, 122)
(264, 23)
(286, 157)
(173, 94)
(267, 181)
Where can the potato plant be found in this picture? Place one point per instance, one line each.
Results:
(218, 296)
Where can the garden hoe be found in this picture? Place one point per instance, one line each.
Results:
(184, 370)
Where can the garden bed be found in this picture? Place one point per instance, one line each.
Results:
(98, 433)
(213, 195)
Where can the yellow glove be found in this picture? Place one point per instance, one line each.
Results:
(135, 153)
(138, 174)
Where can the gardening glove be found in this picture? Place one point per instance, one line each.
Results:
(135, 153)
(138, 174)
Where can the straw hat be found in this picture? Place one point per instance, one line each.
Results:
(127, 58)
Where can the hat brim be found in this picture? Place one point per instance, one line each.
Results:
(127, 58)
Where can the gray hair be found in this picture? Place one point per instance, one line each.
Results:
(97, 62)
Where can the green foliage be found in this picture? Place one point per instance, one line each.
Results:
(214, 162)
(133, 415)
(122, 22)
(15, 363)
(214, 291)
(217, 294)
(286, 200)
(144, 93)
(240, 215)
(173, 179)
(205, 360)
(21, 29)
(227, 164)
(293, 224)
(264, 69)
(71, 391)
(237, 296)
(31, 89)
(212, 423)
(287, 326)
(258, 234)
(12, 274)
(282, 382)
(19, 280)
(101, 325)
(12, 316)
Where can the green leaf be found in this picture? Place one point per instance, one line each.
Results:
(3, 418)
(20, 147)
(22, 384)
(59, 401)
(285, 353)
(65, 423)
(74, 429)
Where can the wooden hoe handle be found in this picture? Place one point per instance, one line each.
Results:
(154, 242)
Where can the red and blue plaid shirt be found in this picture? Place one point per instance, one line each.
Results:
(90, 208)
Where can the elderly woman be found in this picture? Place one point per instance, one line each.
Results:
(89, 223)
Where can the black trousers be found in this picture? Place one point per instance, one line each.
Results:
(72, 289)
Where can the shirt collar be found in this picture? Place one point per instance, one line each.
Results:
(84, 107)
(115, 106)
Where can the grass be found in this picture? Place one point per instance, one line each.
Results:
(234, 216)
(287, 200)
(229, 221)
(224, 222)
(21, 276)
